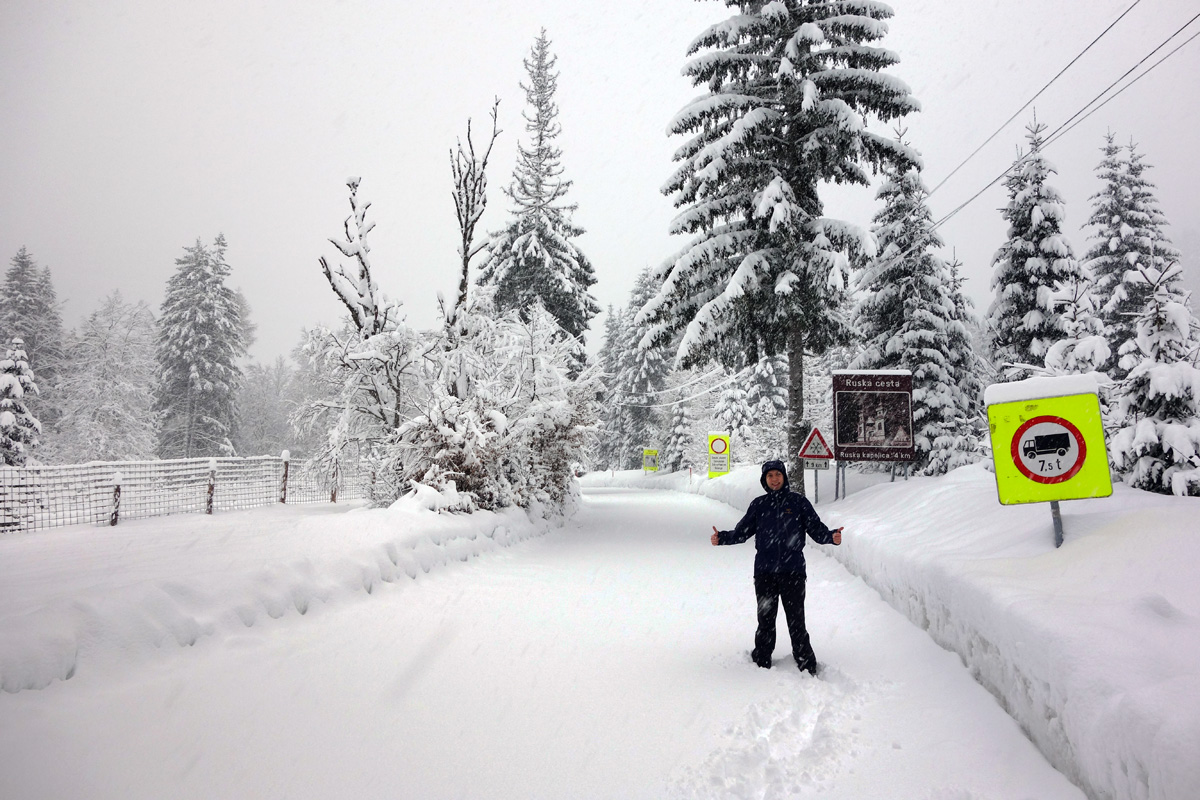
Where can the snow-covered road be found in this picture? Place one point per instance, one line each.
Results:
(606, 659)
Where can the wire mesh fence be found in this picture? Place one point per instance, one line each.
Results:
(105, 493)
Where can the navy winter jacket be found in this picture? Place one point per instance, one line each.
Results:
(778, 522)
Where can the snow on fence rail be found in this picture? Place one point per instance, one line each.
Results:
(104, 493)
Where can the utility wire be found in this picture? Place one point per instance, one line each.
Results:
(1029, 102)
(1127, 73)
(1115, 94)
(710, 389)
(1063, 128)
(693, 381)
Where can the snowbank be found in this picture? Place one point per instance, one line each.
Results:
(64, 601)
(1094, 648)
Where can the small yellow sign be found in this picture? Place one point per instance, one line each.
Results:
(1048, 449)
(720, 455)
(649, 460)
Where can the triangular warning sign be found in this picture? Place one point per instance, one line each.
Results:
(815, 447)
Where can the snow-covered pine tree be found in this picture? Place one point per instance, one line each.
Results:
(534, 257)
(201, 336)
(906, 315)
(767, 393)
(1083, 348)
(29, 308)
(105, 394)
(788, 87)
(612, 413)
(734, 415)
(1129, 232)
(1028, 269)
(678, 451)
(644, 372)
(19, 429)
(963, 444)
(1158, 448)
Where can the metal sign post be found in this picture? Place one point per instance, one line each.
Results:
(816, 455)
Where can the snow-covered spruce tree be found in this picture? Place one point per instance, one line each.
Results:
(1158, 449)
(1028, 269)
(534, 257)
(643, 376)
(201, 336)
(767, 392)
(965, 443)
(612, 414)
(1128, 233)
(767, 395)
(1083, 348)
(790, 86)
(29, 308)
(734, 414)
(19, 429)
(678, 452)
(906, 316)
(104, 397)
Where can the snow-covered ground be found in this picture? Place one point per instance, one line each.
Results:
(333, 652)
(1093, 648)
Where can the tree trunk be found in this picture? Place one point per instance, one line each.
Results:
(797, 426)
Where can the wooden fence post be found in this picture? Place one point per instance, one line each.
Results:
(212, 485)
(116, 501)
(286, 456)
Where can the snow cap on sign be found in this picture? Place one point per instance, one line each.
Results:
(1040, 388)
(872, 372)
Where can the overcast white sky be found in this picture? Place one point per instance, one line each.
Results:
(129, 128)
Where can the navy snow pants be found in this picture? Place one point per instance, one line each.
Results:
(771, 587)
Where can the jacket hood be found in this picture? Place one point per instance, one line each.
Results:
(767, 467)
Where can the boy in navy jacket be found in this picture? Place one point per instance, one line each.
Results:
(779, 521)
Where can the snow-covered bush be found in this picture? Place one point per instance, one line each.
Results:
(500, 421)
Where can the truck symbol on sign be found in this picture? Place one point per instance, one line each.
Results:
(1058, 443)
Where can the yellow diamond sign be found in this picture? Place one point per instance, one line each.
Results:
(1048, 448)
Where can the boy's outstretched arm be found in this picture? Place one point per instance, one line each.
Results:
(741, 532)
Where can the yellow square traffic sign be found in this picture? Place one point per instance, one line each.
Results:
(1049, 448)
(720, 456)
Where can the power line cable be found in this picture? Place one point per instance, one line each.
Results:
(1117, 93)
(1063, 128)
(1029, 102)
(1126, 74)
(710, 389)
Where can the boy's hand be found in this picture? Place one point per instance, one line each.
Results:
(714, 537)
(837, 536)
